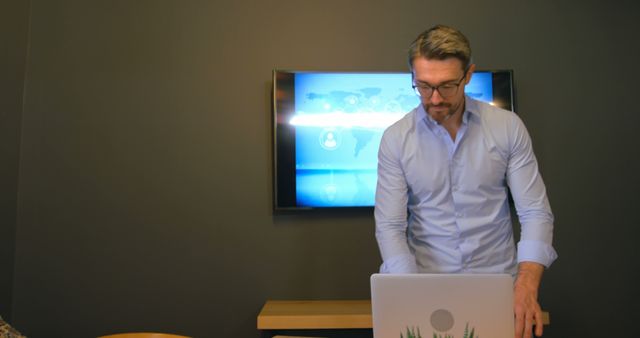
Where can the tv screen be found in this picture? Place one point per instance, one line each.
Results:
(328, 125)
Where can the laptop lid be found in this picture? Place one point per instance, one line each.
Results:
(442, 305)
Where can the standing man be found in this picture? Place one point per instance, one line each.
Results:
(444, 171)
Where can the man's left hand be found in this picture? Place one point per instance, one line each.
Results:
(525, 300)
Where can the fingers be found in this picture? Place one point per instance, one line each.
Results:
(528, 325)
(519, 318)
(525, 320)
(539, 324)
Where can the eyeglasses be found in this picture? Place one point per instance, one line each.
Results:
(446, 90)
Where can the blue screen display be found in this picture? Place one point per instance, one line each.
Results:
(339, 120)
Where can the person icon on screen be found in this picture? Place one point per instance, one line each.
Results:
(330, 141)
(331, 191)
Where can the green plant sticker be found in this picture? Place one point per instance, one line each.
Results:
(414, 332)
(442, 322)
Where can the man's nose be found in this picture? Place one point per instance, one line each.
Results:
(436, 98)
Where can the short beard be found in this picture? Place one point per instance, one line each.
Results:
(446, 117)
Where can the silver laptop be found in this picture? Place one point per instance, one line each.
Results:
(442, 306)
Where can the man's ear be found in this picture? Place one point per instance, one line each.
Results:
(472, 68)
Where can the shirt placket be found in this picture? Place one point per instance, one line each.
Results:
(455, 173)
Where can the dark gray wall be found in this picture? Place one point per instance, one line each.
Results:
(14, 23)
(145, 181)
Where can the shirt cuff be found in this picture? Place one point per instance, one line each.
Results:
(536, 251)
(399, 264)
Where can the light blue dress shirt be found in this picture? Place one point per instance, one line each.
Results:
(442, 204)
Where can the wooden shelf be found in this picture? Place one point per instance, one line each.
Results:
(315, 314)
(320, 314)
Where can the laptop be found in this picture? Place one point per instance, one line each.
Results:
(442, 305)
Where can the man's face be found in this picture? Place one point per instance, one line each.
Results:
(447, 72)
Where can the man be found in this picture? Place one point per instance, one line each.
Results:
(444, 171)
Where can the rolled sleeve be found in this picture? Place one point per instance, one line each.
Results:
(531, 202)
(399, 264)
(536, 251)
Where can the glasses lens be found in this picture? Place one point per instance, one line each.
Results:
(447, 90)
(444, 91)
(425, 91)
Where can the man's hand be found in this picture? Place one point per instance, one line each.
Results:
(525, 299)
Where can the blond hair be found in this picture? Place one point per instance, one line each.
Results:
(441, 42)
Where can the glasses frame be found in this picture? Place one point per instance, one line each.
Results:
(418, 88)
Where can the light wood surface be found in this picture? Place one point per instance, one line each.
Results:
(315, 314)
(143, 335)
(293, 337)
(321, 314)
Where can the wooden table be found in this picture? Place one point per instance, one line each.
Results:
(320, 314)
(315, 314)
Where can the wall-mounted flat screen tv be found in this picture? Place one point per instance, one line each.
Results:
(328, 125)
